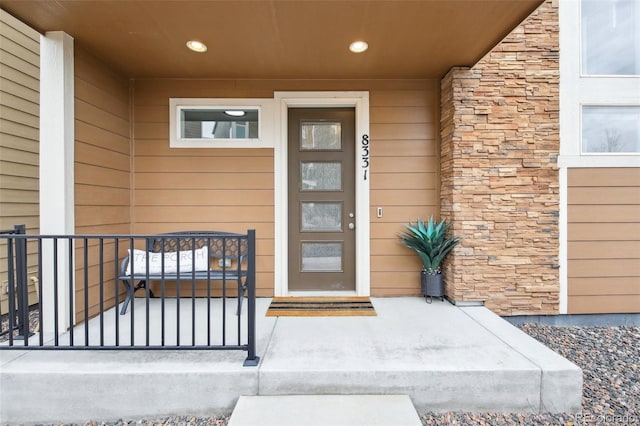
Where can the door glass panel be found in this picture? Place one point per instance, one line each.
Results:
(321, 217)
(320, 136)
(321, 257)
(321, 176)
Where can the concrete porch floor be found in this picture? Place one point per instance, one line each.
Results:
(444, 357)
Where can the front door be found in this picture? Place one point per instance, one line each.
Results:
(321, 161)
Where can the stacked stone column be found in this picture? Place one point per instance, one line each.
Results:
(499, 178)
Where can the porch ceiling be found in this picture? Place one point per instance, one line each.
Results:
(280, 38)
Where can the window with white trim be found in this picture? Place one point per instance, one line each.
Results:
(220, 123)
(599, 83)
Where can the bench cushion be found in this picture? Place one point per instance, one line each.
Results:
(171, 261)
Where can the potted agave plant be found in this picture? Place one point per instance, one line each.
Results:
(432, 244)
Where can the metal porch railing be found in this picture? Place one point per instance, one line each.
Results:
(81, 292)
(16, 318)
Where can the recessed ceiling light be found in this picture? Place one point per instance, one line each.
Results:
(358, 46)
(197, 46)
(235, 113)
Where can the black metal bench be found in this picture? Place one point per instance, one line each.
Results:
(227, 256)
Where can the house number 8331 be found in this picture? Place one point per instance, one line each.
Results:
(365, 154)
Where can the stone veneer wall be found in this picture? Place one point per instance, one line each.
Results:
(499, 179)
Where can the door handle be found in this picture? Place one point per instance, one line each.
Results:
(352, 225)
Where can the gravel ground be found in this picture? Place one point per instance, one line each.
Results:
(610, 361)
(608, 356)
(165, 421)
(4, 324)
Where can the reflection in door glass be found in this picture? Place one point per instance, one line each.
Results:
(320, 136)
(321, 257)
(321, 217)
(321, 176)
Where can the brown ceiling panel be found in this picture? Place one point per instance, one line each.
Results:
(280, 38)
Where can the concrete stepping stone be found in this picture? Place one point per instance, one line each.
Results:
(325, 410)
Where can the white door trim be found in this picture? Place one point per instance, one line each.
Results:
(283, 101)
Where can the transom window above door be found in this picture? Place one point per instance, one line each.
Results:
(220, 123)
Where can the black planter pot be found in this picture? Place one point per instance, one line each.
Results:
(432, 286)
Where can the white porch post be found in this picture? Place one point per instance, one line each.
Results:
(56, 168)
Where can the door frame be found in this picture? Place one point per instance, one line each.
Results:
(284, 101)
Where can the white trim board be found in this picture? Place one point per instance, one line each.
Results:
(563, 235)
(283, 101)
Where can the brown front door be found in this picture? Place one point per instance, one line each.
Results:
(321, 161)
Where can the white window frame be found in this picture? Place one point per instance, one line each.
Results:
(577, 90)
(265, 137)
